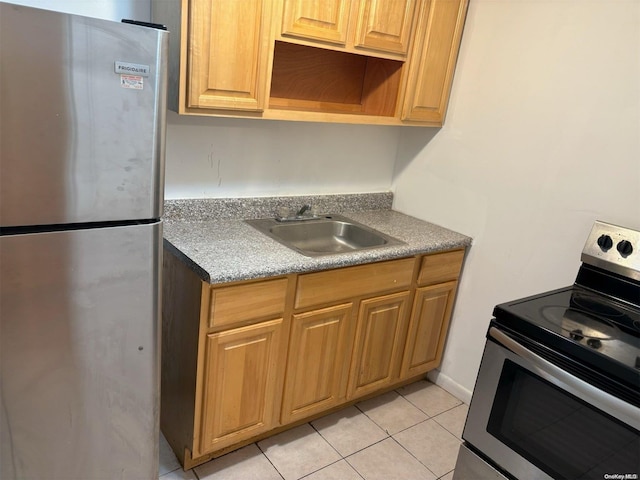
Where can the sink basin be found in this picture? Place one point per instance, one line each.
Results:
(325, 235)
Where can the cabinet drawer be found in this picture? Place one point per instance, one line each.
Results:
(346, 283)
(440, 267)
(252, 301)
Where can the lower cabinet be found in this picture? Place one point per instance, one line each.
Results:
(239, 396)
(242, 360)
(319, 352)
(381, 331)
(427, 329)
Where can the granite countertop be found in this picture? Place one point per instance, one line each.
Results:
(220, 247)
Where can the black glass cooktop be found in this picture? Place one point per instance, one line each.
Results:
(594, 329)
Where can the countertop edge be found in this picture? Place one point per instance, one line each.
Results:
(223, 261)
(201, 272)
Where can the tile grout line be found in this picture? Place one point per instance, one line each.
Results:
(417, 460)
(429, 417)
(167, 473)
(269, 460)
(336, 450)
(388, 435)
(459, 438)
(415, 424)
(445, 474)
(407, 428)
(346, 459)
(433, 416)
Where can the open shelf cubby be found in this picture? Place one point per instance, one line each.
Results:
(321, 80)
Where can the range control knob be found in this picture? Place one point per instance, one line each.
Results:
(625, 248)
(576, 334)
(594, 343)
(605, 242)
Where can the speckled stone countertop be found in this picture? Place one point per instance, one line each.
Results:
(211, 237)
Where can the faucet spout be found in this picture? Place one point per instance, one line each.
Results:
(305, 213)
(304, 208)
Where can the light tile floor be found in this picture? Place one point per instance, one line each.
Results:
(411, 433)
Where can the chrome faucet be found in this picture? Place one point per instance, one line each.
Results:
(305, 213)
(304, 208)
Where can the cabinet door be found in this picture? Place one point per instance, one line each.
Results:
(240, 384)
(427, 328)
(227, 54)
(319, 352)
(433, 60)
(385, 25)
(324, 20)
(380, 335)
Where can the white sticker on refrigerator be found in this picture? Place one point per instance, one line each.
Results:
(132, 81)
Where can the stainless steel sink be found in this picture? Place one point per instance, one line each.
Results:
(324, 235)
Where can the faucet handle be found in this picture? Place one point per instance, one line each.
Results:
(283, 212)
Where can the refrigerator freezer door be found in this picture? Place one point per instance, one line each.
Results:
(83, 119)
(79, 354)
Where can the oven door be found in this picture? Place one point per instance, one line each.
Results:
(534, 420)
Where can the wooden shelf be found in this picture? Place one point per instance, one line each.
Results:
(315, 79)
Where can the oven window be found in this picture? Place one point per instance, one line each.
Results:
(559, 433)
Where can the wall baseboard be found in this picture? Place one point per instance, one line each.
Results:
(451, 386)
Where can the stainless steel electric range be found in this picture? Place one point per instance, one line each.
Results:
(558, 390)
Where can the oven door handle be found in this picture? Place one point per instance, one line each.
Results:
(625, 411)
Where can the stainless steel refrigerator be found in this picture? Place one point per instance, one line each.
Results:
(82, 128)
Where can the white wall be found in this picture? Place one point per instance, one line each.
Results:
(226, 157)
(542, 138)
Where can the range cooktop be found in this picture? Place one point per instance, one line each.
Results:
(582, 324)
(596, 321)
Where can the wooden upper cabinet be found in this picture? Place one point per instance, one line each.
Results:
(385, 25)
(325, 20)
(384, 62)
(434, 59)
(377, 26)
(228, 54)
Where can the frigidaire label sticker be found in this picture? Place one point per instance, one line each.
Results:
(132, 69)
(132, 81)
